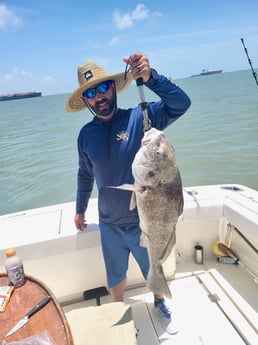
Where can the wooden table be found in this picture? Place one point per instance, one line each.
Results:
(50, 318)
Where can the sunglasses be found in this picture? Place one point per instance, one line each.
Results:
(101, 88)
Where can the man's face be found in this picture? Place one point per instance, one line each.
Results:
(101, 98)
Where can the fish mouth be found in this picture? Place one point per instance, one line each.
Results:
(153, 135)
(146, 140)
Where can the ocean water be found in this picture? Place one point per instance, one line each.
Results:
(216, 141)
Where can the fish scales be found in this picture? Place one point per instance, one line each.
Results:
(159, 199)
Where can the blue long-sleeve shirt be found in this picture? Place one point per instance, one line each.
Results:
(107, 150)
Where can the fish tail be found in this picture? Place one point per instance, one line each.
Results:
(157, 282)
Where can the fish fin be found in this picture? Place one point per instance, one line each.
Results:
(144, 241)
(169, 247)
(181, 217)
(157, 282)
(125, 186)
(132, 202)
(129, 187)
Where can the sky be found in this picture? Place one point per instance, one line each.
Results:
(43, 42)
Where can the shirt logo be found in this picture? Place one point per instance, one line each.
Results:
(122, 136)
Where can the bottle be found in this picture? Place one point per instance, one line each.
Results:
(227, 260)
(14, 268)
(198, 254)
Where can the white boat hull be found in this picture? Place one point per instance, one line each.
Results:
(70, 261)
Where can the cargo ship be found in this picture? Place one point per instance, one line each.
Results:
(207, 72)
(13, 96)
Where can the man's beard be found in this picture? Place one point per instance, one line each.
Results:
(109, 107)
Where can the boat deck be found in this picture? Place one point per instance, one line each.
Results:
(211, 305)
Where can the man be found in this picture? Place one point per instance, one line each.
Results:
(107, 146)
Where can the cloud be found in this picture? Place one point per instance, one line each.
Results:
(156, 14)
(47, 79)
(124, 21)
(16, 73)
(8, 18)
(114, 41)
(140, 13)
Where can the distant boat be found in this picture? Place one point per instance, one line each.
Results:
(207, 72)
(13, 96)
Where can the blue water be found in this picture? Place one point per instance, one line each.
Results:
(216, 141)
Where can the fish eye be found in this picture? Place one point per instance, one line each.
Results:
(151, 174)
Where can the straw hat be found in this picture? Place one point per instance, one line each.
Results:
(90, 75)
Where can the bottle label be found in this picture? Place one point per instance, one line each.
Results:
(16, 276)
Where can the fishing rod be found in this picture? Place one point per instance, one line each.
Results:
(143, 104)
(250, 62)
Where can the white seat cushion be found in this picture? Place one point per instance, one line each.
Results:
(109, 324)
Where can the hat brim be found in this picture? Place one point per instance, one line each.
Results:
(76, 103)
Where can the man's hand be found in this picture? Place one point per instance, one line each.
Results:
(139, 65)
(80, 221)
